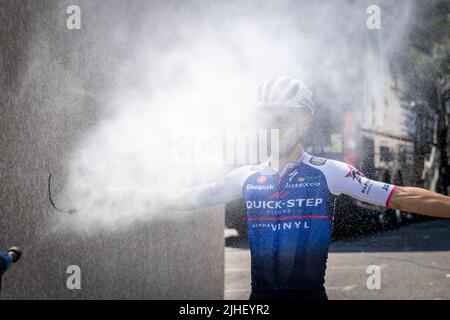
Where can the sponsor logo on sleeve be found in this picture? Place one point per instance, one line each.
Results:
(317, 161)
(302, 184)
(354, 174)
(367, 186)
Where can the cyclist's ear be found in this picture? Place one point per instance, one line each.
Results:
(304, 124)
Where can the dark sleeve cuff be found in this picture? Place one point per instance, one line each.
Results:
(5, 261)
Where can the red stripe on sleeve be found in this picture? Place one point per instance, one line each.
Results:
(390, 196)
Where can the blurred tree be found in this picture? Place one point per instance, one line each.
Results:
(428, 47)
(425, 64)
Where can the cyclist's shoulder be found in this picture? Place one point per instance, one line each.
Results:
(240, 174)
(329, 167)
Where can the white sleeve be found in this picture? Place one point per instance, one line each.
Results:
(222, 191)
(343, 178)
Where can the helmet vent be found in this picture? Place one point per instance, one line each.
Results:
(284, 92)
(293, 92)
(268, 89)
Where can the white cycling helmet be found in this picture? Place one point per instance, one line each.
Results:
(284, 92)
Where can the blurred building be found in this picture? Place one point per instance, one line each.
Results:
(444, 132)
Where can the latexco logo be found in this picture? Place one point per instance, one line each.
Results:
(302, 185)
(367, 186)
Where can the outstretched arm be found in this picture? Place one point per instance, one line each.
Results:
(343, 178)
(420, 201)
(220, 192)
(164, 199)
(201, 197)
(215, 193)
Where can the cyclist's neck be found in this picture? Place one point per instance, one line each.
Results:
(291, 157)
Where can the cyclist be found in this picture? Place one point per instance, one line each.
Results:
(289, 211)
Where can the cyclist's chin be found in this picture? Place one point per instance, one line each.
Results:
(286, 149)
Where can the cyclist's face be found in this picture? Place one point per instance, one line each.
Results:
(291, 124)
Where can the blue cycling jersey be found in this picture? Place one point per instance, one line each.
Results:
(289, 216)
(289, 228)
